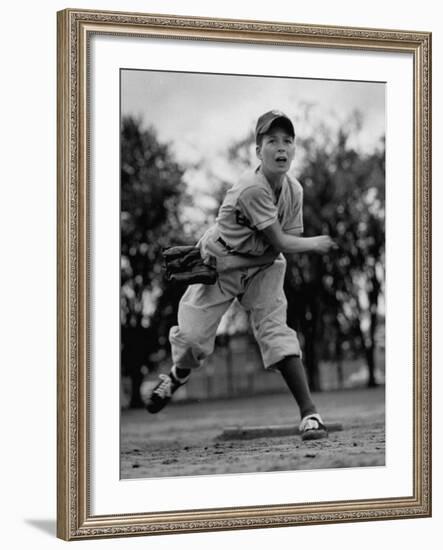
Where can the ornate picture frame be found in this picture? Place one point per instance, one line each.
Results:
(75, 516)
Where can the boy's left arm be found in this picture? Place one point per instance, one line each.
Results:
(296, 232)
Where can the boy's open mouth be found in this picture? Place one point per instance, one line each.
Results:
(281, 159)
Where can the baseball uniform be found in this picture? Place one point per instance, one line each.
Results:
(238, 245)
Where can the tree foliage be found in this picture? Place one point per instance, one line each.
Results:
(151, 196)
(336, 297)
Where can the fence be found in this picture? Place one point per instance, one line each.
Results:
(236, 369)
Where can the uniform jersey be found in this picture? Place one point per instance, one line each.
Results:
(251, 205)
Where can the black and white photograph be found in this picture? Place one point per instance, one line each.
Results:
(252, 284)
(220, 237)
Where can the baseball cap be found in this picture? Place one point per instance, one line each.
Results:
(266, 120)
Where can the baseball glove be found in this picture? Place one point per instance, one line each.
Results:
(184, 264)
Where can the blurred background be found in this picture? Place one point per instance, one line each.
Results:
(185, 139)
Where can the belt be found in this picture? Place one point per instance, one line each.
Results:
(226, 245)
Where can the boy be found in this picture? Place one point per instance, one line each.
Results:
(260, 218)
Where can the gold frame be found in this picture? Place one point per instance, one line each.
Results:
(74, 520)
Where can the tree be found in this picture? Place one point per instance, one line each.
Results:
(151, 193)
(344, 197)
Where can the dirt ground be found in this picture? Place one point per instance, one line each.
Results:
(182, 439)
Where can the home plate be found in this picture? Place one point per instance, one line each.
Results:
(252, 432)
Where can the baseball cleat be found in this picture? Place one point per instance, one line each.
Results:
(312, 427)
(163, 391)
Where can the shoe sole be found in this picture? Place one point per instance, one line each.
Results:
(153, 409)
(312, 435)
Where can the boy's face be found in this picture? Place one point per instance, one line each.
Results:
(276, 151)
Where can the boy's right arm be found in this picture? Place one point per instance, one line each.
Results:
(291, 244)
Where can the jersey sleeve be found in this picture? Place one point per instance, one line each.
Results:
(256, 205)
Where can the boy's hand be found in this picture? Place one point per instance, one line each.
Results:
(323, 244)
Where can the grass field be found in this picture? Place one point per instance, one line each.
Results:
(182, 439)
